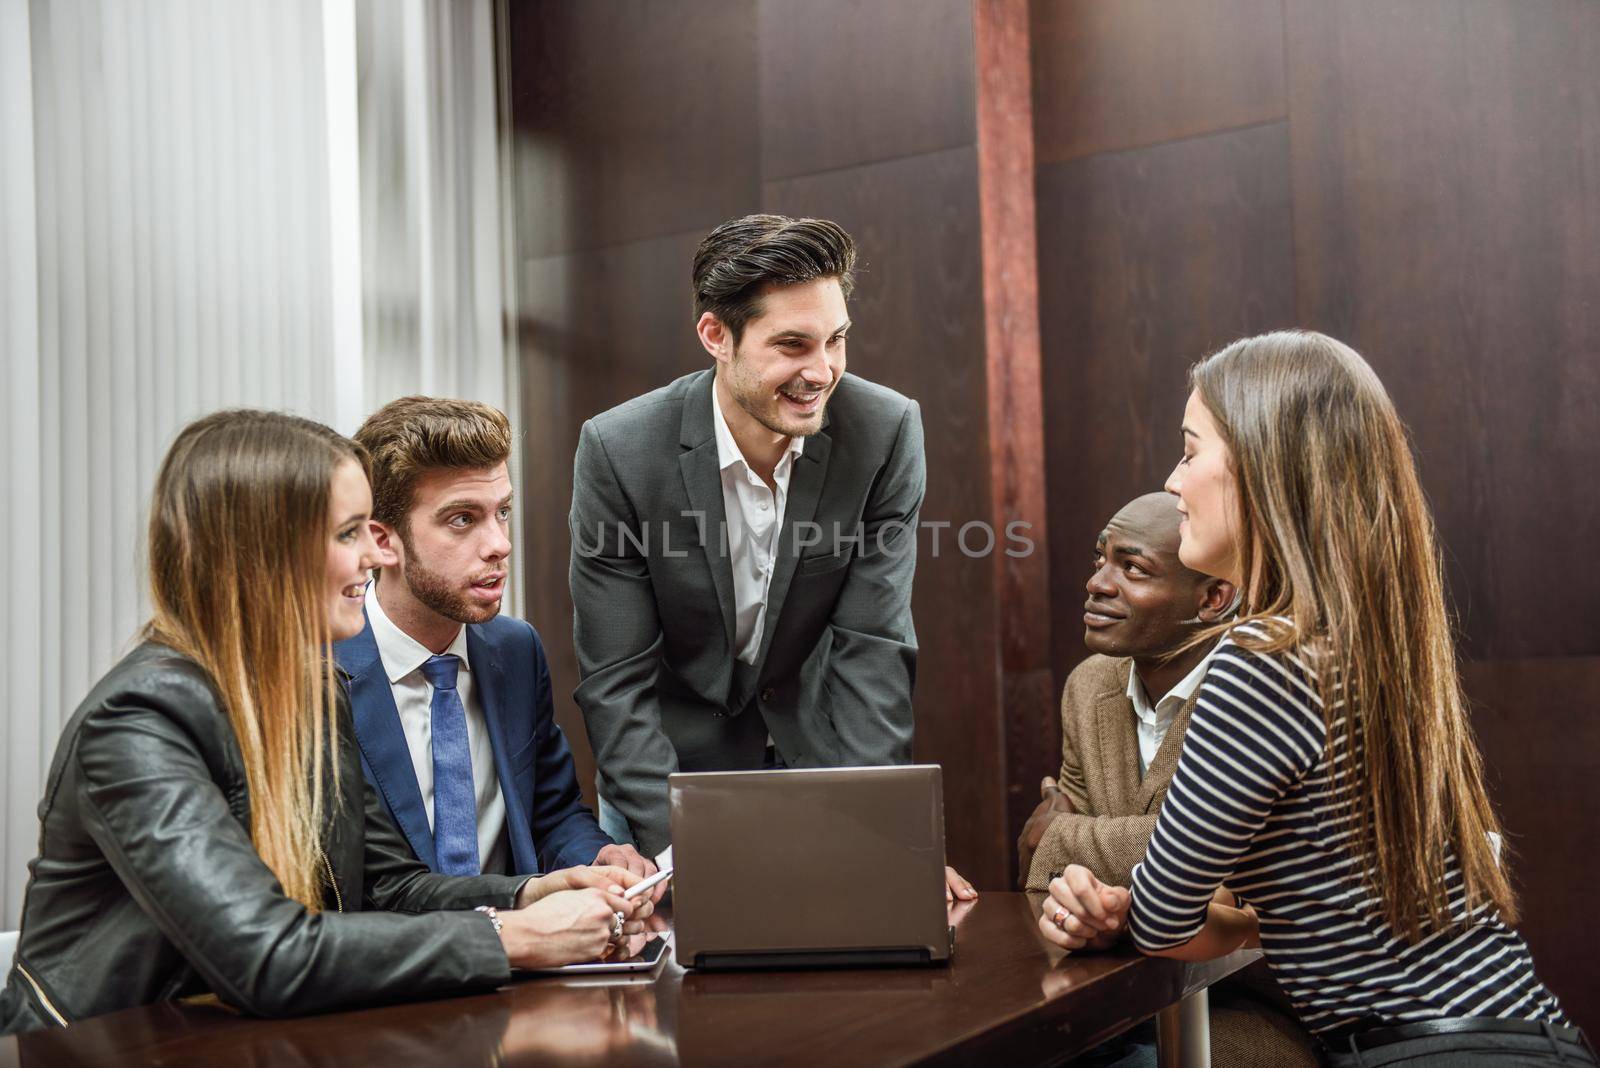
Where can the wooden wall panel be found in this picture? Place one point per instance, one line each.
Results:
(1447, 224)
(1127, 73)
(630, 119)
(918, 328)
(861, 113)
(1435, 162)
(596, 328)
(1148, 259)
(1537, 728)
(845, 82)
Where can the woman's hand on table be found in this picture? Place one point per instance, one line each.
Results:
(1082, 912)
(569, 926)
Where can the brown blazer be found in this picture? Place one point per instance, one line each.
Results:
(1115, 811)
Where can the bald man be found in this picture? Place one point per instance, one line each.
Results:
(1123, 715)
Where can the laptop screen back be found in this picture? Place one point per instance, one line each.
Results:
(808, 861)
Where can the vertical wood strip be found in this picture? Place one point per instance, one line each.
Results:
(1016, 421)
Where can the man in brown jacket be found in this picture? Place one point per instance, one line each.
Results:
(1123, 715)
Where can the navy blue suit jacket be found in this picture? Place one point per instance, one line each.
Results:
(547, 823)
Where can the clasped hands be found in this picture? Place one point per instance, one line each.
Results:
(1082, 912)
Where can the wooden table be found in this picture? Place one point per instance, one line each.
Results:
(1007, 997)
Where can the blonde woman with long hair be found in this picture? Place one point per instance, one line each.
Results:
(206, 826)
(1329, 803)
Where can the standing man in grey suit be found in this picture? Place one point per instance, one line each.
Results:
(744, 541)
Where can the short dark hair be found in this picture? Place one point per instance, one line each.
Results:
(409, 436)
(739, 257)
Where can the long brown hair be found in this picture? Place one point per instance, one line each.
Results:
(238, 564)
(1337, 537)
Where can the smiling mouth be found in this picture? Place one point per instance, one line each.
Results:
(1095, 616)
(806, 402)
(356, 591)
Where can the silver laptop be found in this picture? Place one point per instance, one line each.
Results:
(824, 867)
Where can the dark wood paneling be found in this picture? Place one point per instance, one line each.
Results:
(1148, 259)
(630, 119)
(1137, 72)
(1537, 727)
(597, 328)
(1447, 222)
(918, 314)
(843, 82)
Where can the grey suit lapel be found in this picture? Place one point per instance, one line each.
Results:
(702, 479)
(805, 491)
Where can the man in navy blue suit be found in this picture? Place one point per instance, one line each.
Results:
(452, 701)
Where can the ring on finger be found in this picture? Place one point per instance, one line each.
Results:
(616, 927)
(1060, 918)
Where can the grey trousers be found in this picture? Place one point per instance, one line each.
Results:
(1484, 1047)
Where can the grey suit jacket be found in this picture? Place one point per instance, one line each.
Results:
(652, 593)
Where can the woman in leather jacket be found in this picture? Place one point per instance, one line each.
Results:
(206, 827)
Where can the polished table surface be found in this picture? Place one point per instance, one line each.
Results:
(1006, 995)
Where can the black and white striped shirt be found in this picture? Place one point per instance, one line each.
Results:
(1250, 806)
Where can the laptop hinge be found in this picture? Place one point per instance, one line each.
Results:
(813, 958)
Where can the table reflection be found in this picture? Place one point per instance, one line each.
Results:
(589, 1020)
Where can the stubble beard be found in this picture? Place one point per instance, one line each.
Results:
(764, 408)
(436, 592)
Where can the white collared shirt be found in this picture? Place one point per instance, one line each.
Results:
(403, 657)
(755, 518)
(1151, 723)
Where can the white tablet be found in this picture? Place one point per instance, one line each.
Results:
(646, 952)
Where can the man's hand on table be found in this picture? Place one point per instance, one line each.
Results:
(1082, 912)
(626, 856)
(956, 888)
(1053, 802)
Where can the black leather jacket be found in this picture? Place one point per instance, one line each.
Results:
(146, 886)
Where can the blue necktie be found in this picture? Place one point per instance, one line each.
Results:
(455, 802)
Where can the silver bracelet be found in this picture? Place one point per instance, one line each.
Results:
(493, 914)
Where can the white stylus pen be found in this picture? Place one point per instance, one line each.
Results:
(638, 888)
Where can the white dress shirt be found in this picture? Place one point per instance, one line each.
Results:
(403, 657)
(755, 518)
(1151, 723)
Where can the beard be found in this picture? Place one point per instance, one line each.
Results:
(759, 403)
(441, 595)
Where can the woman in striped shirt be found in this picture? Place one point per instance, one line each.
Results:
(1329, 803)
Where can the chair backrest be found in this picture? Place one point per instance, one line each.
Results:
(8, 949)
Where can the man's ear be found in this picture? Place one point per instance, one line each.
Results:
(387, 540)
(714, 336)
(1217, 600)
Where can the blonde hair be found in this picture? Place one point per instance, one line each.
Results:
(1337, 537)
(238, 563)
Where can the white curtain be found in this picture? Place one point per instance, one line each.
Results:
(185, 227)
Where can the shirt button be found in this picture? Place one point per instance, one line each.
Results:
(763, 506)
(767, 695)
